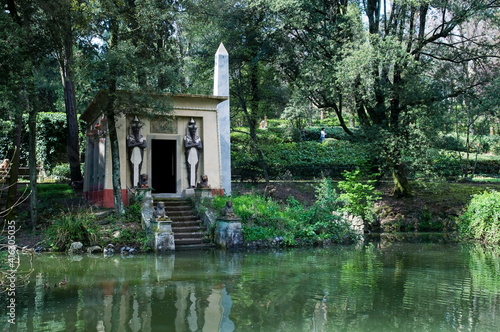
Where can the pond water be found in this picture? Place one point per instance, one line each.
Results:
(378, 286)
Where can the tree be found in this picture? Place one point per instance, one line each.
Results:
(256, 90)
(129, 46)
(61, 16)
(386, 74)
(21, 30)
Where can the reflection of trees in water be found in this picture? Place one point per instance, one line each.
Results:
(296, 292)
(485, 268)
(400, 286)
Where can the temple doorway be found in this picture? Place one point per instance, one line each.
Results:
(163, 166)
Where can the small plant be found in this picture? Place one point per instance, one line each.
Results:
(427, 222)
(133, 212)
(326, 195)
(72, 227)
(62, 171)
(257, 233)
(481, 220)
(358, 196)
(265, 219)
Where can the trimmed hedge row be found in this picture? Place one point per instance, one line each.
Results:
(301, 160)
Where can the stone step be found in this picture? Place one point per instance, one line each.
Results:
(179, 207)
(187, 241)
(184, 229)
(184, 219)
(185, 223)
(177, 203)
(197, 246)
(187, 228)
(180, 212)
(188, 235)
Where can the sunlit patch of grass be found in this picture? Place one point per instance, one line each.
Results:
(485, 178)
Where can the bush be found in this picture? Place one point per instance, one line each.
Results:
(481, 220)
(306, 159)
(264, 219)
(62, 171)
(70, 227)
(448, 142)
(358, 195)
(133, 212)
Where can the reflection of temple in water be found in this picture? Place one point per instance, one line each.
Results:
(153, 298)
(327, 289)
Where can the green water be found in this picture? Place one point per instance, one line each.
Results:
(381, 286)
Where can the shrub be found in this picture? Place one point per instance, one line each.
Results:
(133, 212)
(326, 195)
(449, 142)
(481, 220)
(62, 171)
(264, 219)
(70, 227)
(358, 197)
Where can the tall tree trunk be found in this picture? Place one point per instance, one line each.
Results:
(262, 161)
(252, 120)
(402, 186)
(14, 167)
(33, 165)
(110, 114)
(65, 63)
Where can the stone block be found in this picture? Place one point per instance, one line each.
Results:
(229, 233)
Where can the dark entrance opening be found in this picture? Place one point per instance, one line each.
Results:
(163, 166)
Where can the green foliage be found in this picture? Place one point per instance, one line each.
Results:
(312, 133)
(52, 134)
(6, 132)
(62, 172)
(427, 222)
(485, 267)
(128, 236)
(326, 195)
(481, 220)
(265, 219)
(255, 233)
(53, 199)
(358, 195)
(303, 159)
(133, 212)
(70, 227)
(449, 142)
(492, 144)
(54, 190)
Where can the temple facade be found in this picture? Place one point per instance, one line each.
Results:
(167, 152)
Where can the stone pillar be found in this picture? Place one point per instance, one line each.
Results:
(147, 207)
(229, 233)
(221, 88)
(202, 193)
(164, 237)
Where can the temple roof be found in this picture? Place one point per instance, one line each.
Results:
(132, 102)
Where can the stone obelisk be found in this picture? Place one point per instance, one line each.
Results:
(221, 88)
